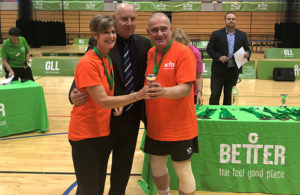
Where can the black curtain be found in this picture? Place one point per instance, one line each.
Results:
(287, 31)
(288, 34)
(38, 33)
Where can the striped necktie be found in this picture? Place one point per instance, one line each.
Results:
(128, 73)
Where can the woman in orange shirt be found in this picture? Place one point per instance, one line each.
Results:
(90, 123)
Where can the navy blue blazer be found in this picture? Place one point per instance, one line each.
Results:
(218, 46)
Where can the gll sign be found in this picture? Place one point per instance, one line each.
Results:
(51, 66)
(137, 6)
(235, 6)
(2, 109)
(262, 6)
(161, 6)
(188, 6)
(288, 53)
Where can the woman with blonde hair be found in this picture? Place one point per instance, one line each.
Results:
(181, 36)
(90, 123)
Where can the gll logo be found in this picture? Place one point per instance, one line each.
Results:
(50, 66)
(288, 53)
(161, 6)
(2, 109)
(90, 6)
(235, 6)
(81, 41)
(188, 6)
(137, 6)
(262, 6)
(38, 5)
(66, 5)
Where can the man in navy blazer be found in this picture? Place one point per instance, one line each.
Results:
(222, 45)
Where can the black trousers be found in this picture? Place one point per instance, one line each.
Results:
(218, 82)
(22, 73)
(90, 163)
(122, 143)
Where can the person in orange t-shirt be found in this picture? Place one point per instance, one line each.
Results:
(90, 123)
(171, 116)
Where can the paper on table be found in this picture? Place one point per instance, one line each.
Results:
(239, 57)
(7, 81)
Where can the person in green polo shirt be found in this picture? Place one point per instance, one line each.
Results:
(15, 56)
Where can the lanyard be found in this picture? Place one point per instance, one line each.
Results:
(156, 67)
(110, 78)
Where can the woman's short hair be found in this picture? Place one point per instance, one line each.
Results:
(180, 35)
(101, 23)
(14, 31)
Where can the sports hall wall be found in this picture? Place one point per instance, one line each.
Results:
(198, 19)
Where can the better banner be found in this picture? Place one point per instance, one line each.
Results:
(282, 53)
(69, 5)
(244, 155)
(253, 6)
(53, 66)
(166, 6)
(22, 108)
(265, 68)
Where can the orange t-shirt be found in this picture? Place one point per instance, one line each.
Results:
(90, 120)
(169, 119)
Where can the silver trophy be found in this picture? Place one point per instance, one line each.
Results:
(283, 100)
(151, 77)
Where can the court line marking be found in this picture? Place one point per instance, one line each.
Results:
(70, 188)
(51, 173)
(29, 136)
(10, 138)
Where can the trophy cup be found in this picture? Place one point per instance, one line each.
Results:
(283, 100)
(151, 78)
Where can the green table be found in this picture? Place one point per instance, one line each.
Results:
(22, 108)
(243, 155)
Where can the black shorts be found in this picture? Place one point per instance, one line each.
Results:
(178, 150)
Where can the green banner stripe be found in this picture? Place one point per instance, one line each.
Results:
(53, 66)
(56, 54)
(166, 6)
(265, 68)
(282, 53)
(68, 5)
(81, 41)
(181, 6)
(248, 69)
(253, 6)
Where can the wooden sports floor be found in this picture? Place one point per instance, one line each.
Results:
(41, 164)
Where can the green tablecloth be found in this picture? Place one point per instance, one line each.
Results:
(243, 155)
(22, 108)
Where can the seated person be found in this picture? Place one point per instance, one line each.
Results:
(15, 56)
